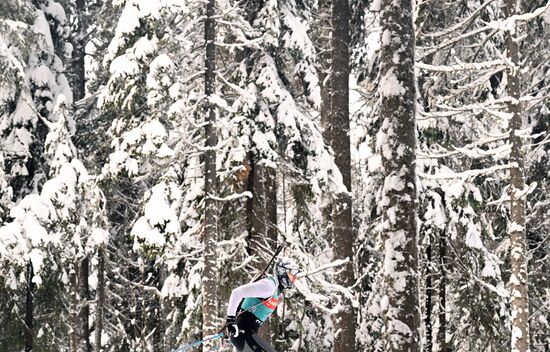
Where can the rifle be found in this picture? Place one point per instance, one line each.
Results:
(259, 276)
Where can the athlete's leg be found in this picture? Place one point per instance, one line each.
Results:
(239, 342)
(255, 343)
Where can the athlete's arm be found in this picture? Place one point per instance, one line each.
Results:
(263, 288)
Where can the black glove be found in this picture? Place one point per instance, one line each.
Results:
(232, 328)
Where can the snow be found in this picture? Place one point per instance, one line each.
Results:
(390, 85)
(157, 210)
(144, 47)
(117, 161)
(394, 182)
(174, 286)
(55, 10)
(393, 255)
(473, 239)
(98, 237)
(261, 142)
(297, 36)
(123, 66)
(35, 205)
(42, 76)
(515, 227)
(159, 221)
(383, 138)
(36, 257)
(128, 21)
(386, 37)
(42, 27)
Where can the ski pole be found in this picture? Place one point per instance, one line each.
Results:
(197, 343)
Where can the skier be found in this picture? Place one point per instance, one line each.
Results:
(250, 305)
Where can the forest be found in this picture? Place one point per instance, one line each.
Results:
(154, 155)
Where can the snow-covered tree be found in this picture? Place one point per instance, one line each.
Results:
(397, 144)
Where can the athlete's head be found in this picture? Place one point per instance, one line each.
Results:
(286, 271)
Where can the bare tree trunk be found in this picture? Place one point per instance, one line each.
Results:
(516, 230)
(100, 305)
(209, 287)
(441, 331)
(344, 321)
(399, 199)
(29, 310)
(429, 293)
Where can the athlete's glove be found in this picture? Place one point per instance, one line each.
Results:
(232, 328)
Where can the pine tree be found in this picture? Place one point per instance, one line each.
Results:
(32, 106)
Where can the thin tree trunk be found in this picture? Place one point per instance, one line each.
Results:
(84, 312)
(429, 294)
(29, 310)
(100, 305)
(441, 331)
(73, 316)
(344, 321)
(399, 196)
(209, 287)
(79, 90)
(79, 44)
(516, 230)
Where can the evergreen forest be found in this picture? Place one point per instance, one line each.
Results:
(155, 155)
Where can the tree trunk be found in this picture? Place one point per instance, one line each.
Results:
(322, 35)
(397, 143)
(73, 315)
(29, 310)
(209, 288)
(100, 305)
(516, 230)
(84, 311)
(344, 321)
(262, 225)
(79, 44)
(261, 210)
(441, 331)
(429, 294)
(79, 91)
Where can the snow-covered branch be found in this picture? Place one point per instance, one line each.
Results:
(465, 175)
(234, 196)
(462, 66)
(509, 24)
(426, 51)
(323, 268)
(472, 151)
(466, 21)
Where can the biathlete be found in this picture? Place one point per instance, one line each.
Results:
(251, 305)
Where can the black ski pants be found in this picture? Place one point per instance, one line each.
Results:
(248, 339)
(246, 342)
